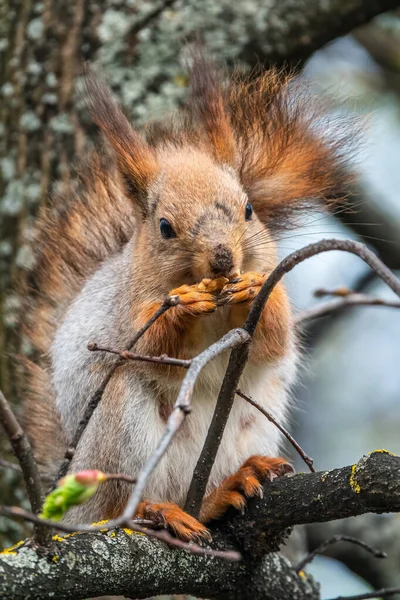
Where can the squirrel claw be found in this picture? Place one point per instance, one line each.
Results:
(201, 298)
(246, 483)
(180, 523)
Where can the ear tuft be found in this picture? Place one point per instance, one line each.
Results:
(292, 154)
(136, 161)
(207, 106)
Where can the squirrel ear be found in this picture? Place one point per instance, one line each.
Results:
(206, 105)
(135, 159)
(292, 155)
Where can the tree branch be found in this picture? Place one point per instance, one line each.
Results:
(133, 565)
(23, 451)
(375, 530)
(233, 339)
(384, 593)
(116, 562)
(332, 306)
(240, 355)
(126, 355)
(292, 31)
(307, 459)
(322, 548)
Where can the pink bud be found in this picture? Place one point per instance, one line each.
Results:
(89, 477)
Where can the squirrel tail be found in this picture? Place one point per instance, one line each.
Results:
(83, 225)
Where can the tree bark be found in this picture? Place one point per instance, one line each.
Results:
(82, 565)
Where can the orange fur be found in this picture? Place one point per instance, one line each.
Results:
(244, 484)
(180, 523)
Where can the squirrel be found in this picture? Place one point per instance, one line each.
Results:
(191, 207)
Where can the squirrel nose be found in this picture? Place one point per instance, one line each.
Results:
(221, 261)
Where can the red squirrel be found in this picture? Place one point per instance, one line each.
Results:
(191, 207)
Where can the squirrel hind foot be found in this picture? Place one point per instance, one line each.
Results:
(176, 520)
(245, 483)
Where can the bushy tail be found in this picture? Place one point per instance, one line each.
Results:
(82, 227)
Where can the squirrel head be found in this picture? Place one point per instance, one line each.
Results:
(213, 188)
(200, 213)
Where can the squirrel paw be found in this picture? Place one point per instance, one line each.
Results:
(242, 289)
(180, 523)
(246, 483)
(201, 298)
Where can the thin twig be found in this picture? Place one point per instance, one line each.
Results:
(340, 292)
(140, 525)
(119, 477)
(331, 306)
(5, 464)
(126, 355)
(383, 593)
(93, 402)
(16, 512)
(23, 451)
(239, 356)
(334, 540)
(307, 459)
(236, 337)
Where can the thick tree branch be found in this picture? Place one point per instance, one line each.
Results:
(294, 29)
(129, 564)
(116, 562)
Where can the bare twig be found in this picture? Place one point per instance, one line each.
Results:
(119, 477)
(340, 292)
(93, 402)
(16, 512)
(23, 451)
(240, 355)
(236, 337)
(307, 459)
(5, 464)
(295, 258)
(126, 355)
(334, 540)
(351, 299)
(383, 593)
(140, 525)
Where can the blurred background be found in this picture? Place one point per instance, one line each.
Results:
(347, 401)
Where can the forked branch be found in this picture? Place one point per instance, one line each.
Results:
(240, 355)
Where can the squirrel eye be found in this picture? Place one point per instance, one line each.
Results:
(248, 212)
(166, 229)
